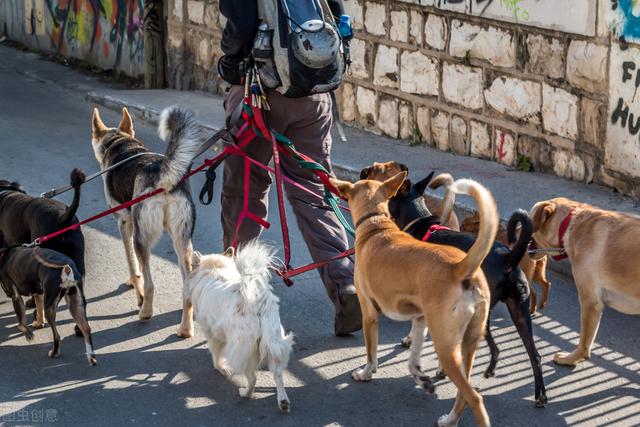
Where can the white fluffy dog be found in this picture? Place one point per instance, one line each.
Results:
(238, 313)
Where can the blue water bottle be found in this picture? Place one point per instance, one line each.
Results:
(344, 27)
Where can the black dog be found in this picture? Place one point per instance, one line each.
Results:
(48, 276)
(507, 283)
(23, 218)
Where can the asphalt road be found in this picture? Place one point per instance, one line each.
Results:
(146, 375)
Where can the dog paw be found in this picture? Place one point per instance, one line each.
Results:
(440, 375)
(92, 359)
(444, 421)
(541, 401)
(145, 313)
(425, 382)
(284, 405)
(568, 359)
(184, 332)
(37, 325)
(489, 373)
(245, 392)
(77, 331)
(53, 354)
(362, 374)
(406, 341)
(28, 333)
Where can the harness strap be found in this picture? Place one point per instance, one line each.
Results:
(433, 229)
(292, 272)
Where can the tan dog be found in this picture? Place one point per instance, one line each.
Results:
(434, 285)
(603, 248)
(532, 269)
(382, 171)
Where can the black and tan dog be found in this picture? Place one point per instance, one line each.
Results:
(24, 218)
(49, 277)
(173, 210)
(507, 282)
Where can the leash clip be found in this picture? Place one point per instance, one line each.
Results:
(284, 275)
(48, 194)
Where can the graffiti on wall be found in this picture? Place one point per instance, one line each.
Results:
(626, 19)
(107, 33)
(623, 131)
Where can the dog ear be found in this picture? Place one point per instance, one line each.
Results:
(126, 124)
(541, 212)
(97, 125)
(364, 173)
(196, 258)
(405, 188)
(343, 187)
(421, 186)
(393, 184)
(230, 252)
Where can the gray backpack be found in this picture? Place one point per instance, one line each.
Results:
(298, 50)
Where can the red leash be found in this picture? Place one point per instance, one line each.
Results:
(433, 229)
(292, 272)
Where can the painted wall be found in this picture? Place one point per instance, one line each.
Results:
(106, 33)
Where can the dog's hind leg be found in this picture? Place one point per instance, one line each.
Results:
(180, 228)
(219, 364)
(522, 319)
(250, 373)
(283, 400)
(21, 315)
(418, 330)
(79, 314)
(38, 323)
(50, 314)
(493, 350)
(125, 225)
(147, 228)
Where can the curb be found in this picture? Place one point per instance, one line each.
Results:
(151, 115)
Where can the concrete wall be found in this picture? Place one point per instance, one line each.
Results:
(551, 83)
(106, 33)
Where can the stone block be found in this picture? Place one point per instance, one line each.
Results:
(177, 9)
(516, 98)
(375, 19)
(587, 66)
(593, 122)
(203, 57)
(538, 151)
(423, 123)
(399, 26)
(388, 117)
(459, 142)
(349, 110)
(559, 112)
(462, 85)
(353, 8)
(491, 44)
(568, 165)
(545, 56)
(211, 16)
(407, 123)
(435, 32)
(385, 70)
(359, 59)
(419, 74)
(195, 9)
(367, 106)
(480, 140)
(440, 130)
(505, 147)
(415, 28)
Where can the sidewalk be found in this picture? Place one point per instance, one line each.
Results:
(512, 189)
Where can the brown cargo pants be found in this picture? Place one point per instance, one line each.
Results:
(307, 122)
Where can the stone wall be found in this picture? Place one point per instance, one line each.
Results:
(522, 82)
(105, 33)
(541, 83)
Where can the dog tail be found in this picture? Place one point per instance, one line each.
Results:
(526, 230)
(488, 225)
(178, 128)
(449, 199)
(254, 261)
(77, 179)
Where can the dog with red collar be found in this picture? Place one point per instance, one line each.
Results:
(603, 248)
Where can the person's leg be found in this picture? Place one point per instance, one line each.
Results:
(309, 129)
(233, 183)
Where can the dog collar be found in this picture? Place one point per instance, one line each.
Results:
(433, 229)
(369, 216)
(564, 225)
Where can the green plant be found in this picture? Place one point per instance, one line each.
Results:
(523, 163)
(467, 58)
(416, 138)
